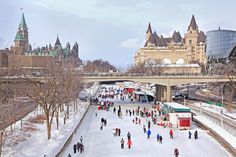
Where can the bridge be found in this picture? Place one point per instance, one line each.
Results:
(163, 83)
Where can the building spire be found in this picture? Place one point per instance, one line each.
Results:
(193, 24)
(57, 43)
(22, 22)
(149, 30)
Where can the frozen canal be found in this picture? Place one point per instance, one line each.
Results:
(102, 143)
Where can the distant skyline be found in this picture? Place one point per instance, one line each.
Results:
(112, 30)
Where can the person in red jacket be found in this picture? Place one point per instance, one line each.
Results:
(171, 133)
(129, 143)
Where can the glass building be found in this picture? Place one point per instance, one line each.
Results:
(220, 45)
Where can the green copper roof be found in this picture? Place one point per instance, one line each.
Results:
(53, 53)
(22, 22)
(19, 37)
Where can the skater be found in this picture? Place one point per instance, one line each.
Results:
(101, 126)
(160, 140)
(80, 147)
(122, 142)
(158, 137)
(129, 136)
(119, 132)
(96, 114)
(195, 135)
(176, 152)
(171, 134)
(144, 129)
(74, 147)
(114, 132)
(139, 121)
(114, 110)
(148, 133)
(149, 124)
(105, 122)
(81, 139)
(129, 143)
(68, 155)
(189, 135)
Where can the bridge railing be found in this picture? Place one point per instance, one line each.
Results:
(143, 75)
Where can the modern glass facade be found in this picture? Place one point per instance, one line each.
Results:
(220, 43)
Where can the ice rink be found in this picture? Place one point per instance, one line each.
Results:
(102, 143)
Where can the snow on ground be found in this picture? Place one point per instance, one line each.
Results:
(102, 143)
(34, 141)
(219, 130)
(216, 109)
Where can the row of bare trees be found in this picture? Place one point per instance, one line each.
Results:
(151, 67)
(55, 90)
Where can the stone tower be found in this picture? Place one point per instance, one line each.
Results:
(21, 42)
(195, 42)
(149, 37)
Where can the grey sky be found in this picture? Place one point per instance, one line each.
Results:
(109, 29)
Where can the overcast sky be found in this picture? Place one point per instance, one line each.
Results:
(109, 29)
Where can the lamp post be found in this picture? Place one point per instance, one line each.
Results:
(221, 117)
(222, 94)
(184, 101)
(200, 108)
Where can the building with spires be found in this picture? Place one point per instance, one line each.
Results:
(22, 54)
(175, 51)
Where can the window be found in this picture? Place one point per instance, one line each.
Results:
(190, 42)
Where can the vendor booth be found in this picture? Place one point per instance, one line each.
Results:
(179, 115)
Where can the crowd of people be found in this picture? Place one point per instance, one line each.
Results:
(152, 116)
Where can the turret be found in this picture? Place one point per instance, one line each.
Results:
(193, 25)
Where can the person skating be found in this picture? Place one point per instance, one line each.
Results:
(69, 155)
(78, 146)
(158, 137)
(149, 124)
(81, 148)
(160, 140)
(122, 142)
(74, 148)
(189, 135)
(129, 136)
(129, 143)
(148, 133)
(114, 132)
(176, 152)
(171, 133)
(196, 135)
(81, 139)
(119, 131)
(144, 129)
(105, 122)
(101, 126)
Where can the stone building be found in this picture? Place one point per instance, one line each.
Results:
(22, 54)
(176, 49)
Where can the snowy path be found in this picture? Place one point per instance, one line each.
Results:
(103, 144)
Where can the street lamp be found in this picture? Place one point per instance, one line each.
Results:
(222, 94)
(200, 108)
(221, 117)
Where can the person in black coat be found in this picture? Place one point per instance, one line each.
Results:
(189, 135)
(196, 135)
(129, 136)
(160, 139)
(74, 148)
